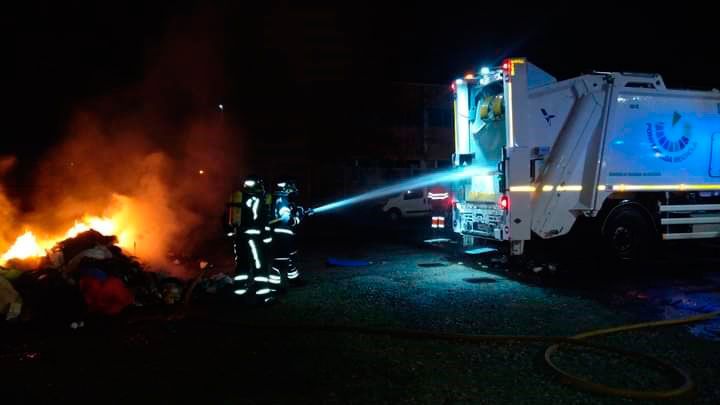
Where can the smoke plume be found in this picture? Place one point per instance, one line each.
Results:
(158, 157)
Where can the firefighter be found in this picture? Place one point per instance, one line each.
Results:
(286, 217)
(440, 205)
(250, 233)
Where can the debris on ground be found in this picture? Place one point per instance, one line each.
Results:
(679, 304)
(30, 263)
(86, 275)
(10, 274)
(10, 302)
(104, 294)
(171, 290)
(98, 253)
(215, 283)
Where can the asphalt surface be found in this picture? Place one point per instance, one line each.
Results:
(220, 353)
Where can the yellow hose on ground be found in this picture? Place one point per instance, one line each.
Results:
(585, 384)
(567, 378)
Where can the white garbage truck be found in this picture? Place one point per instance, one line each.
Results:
(637, 161)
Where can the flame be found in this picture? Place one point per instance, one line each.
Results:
(116, 171)
(106, 226)
(30, 245)
(25, 246)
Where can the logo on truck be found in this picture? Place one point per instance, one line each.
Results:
(547, 116)
(673, 144)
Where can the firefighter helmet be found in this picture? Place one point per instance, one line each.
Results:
(287, 187)
(253, 185)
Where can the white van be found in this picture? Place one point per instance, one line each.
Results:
(408, 204)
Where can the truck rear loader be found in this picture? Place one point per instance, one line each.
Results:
(638, 161)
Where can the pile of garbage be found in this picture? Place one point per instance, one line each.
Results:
(81, 276)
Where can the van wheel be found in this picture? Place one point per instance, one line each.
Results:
(629, 233)
(394, 215)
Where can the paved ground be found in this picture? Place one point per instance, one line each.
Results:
(212, 357)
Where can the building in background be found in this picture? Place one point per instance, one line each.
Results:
(330, 122)
(374, 134)
(411, 132)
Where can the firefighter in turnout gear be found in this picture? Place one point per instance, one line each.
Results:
(440, 205)
(286, 218)
(248, 217)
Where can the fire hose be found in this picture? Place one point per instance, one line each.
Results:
(567, 378)
(580, 340)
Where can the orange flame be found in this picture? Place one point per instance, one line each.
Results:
(30, 245)
(117, 171)
(25, 246)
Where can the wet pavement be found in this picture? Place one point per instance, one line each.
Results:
(214, 355)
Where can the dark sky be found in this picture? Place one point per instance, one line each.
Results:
(63, 55)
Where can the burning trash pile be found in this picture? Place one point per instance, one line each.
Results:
(89, 233)
(92, 238)
(84, 275)
(87, 218)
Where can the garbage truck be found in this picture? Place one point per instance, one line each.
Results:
(621, 153)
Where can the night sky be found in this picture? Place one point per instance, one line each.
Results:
(264, 57)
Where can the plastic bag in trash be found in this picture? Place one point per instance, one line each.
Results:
(171, 290)
(10, 274)
(217, 282)
(104, 294)
(9, 299)
(98, 252)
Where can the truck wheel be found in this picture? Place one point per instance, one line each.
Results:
(394, 215)
(629, 233)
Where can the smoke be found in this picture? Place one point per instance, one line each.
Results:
(8, 210)
(158, 157)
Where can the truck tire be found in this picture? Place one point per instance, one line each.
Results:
(629, 233)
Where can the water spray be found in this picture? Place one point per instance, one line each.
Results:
(450, 175)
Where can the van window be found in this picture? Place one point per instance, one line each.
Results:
(413, 194)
